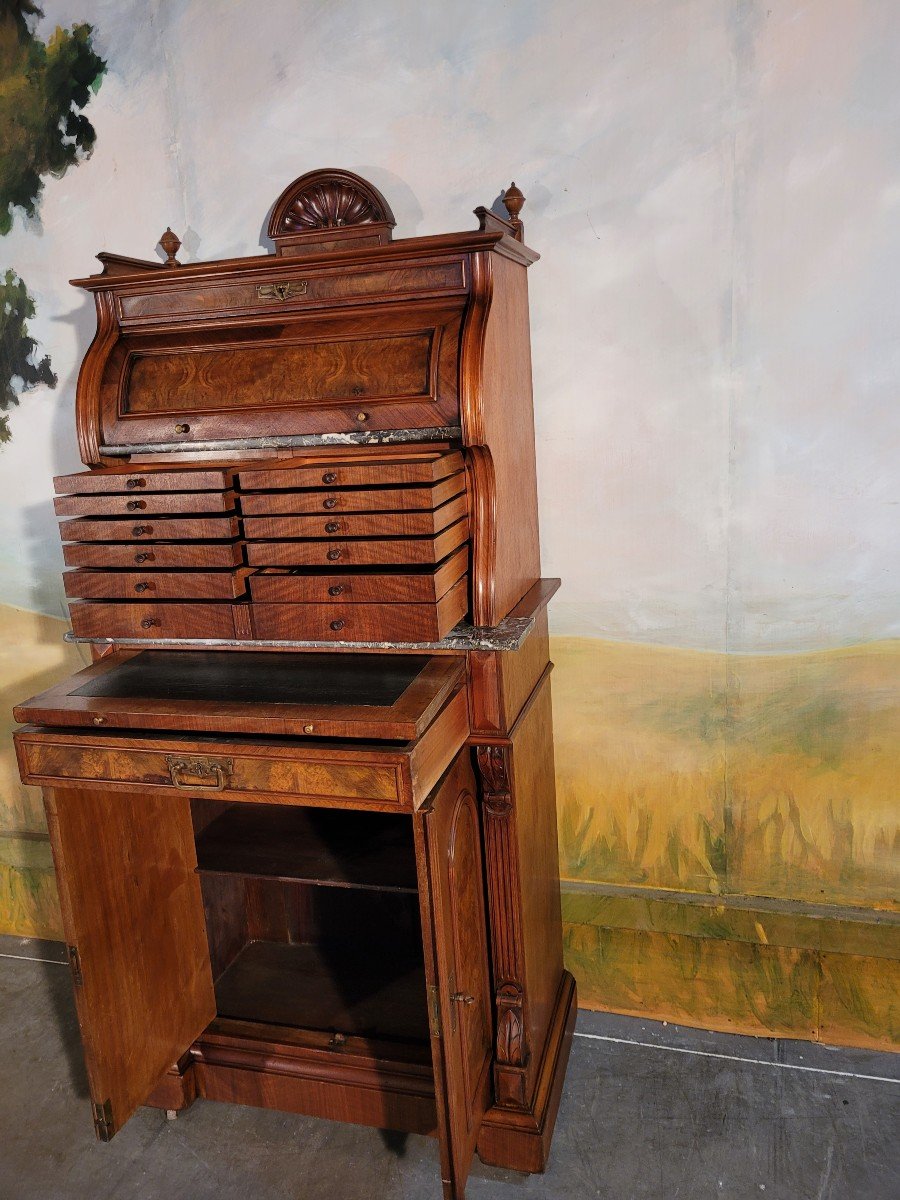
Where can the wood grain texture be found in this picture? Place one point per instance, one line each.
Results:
(332, 499)
(139, 527)
(151, 555)
(280, 585)
(156, 585)
(160, 477)
(131, 905)
(366, 470)
(362, 552)
(144, 504)
(98, 618)
(451, 889)
(357, 525)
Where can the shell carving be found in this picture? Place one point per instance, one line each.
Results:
(329, 206)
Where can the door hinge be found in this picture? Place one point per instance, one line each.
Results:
(434, 1012)
(103, 1121)
(75, 964)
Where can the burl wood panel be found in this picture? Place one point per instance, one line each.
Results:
(272, 375)
(131, 904)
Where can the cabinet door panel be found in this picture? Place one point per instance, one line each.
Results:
(451, 888)
(133, 915)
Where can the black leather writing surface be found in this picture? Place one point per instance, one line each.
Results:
(376, 680)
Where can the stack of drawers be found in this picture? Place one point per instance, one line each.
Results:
(366, 550)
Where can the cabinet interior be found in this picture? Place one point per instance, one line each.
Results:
(312, 918)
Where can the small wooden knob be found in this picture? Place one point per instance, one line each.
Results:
(336, 589)
(133, 504)
(329, 503)
(330, 477)
(333, 555)
(140, 530)
(99, 720)
(337, 626)
(332, 526)
(149, 622)
(182, 428)
(362, 416)
(308, 728)
(142, 587)
(142, 558)
(135, 483)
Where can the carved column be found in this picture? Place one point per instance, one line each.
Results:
(501, 852)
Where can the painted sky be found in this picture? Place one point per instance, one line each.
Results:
(714, 186)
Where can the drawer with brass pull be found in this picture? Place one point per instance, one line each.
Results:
(143, 503)
(358, 525)
(164, 620)
(362, 552)
(311, 585)
(114, 529)
(139, 481)
(352, 500)
(153, 556)
(156, 585)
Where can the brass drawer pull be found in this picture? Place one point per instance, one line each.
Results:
(362, 416)
(331, 502)
(140, 530)
(330, 477)
(337, 626)
(332, 526)
(142, 587)
(335, 589)
(282, 291)
(333, 555)
(149, 622)
(135, 483)
(182, 428)
(217, 770)
(133, 504)
(144, 557)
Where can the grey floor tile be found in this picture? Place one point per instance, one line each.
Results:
(636, 1123)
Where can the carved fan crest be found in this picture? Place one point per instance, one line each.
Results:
(337, 203)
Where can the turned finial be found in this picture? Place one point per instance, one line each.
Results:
(170, 243)
(513, 200)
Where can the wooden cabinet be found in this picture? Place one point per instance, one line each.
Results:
(302, 803)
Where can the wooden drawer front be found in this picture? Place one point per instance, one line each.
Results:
(298, 290)
(154, 555)
(375, 525)
(422, 470)
(148, 504)
(362, 553)
(138, 482)
(90, 619)
(149, 528)
(156, 585)
(360, 622)
(293, 779)
(357, 500)
(297, 586)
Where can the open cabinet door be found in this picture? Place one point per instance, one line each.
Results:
(133, 916)
(451, 890)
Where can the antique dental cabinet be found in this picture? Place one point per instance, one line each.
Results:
(302, 802)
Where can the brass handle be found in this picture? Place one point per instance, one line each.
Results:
(281, 291)
(330, 477)
(149, 622)
(462, 998)
(329, 503)
(182, 428)
(138, 530)
(337, 626)
(142, 558)
(142, 587)
(135, 483)
(335, 589)
(333, 555)
(203, 768)
(133, 504)
(332, 526)
(362, 416)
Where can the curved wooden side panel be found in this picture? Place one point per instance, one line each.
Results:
(482, 531)
(471, 355)
(87, 391)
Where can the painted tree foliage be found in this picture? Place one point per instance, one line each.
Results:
(44, 87)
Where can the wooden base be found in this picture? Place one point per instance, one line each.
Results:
(520, 1141)
(301, 1074)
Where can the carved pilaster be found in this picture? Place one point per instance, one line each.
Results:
(504, 900)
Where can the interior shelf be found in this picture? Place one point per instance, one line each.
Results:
(329, 848)
(350, 990)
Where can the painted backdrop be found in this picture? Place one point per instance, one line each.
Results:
(714, 186)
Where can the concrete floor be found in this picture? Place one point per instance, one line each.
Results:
(650, 1112)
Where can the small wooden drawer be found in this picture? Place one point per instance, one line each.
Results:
(156, 585)
(382, 776)
(111, 529)
(358, 525)
(422, 469)
(353, 500)
(166, 620)
(137, 482)
(147, 504)
(361, 622)
(300, 585)
(154, 556)
(372, 552)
